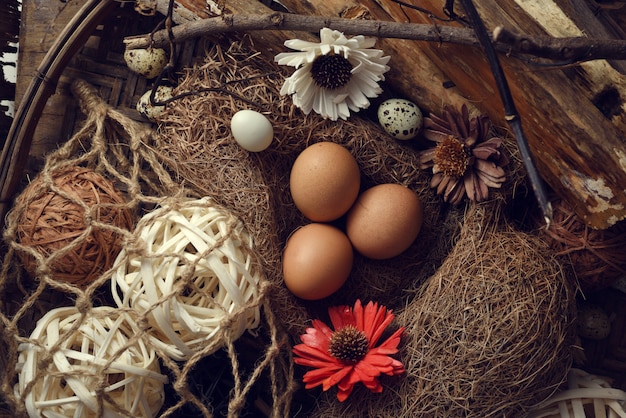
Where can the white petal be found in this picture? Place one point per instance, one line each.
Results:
(325, 49)
(369, 66)
(300, 45)
(342, 110)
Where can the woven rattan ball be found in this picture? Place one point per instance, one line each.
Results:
(193, 273)
(74, 366)
(66, 218)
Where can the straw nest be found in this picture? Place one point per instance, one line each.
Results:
(489, 334)
(196, 143)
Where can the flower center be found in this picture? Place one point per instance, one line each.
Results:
(452, 157)
(348, 344)
(331, 71)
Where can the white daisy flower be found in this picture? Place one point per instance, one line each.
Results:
(333, 76)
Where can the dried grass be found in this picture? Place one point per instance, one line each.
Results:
(489, 335)
(196, 143)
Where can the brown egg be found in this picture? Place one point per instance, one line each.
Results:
(384, 221)
(324, 181)
(317, 261)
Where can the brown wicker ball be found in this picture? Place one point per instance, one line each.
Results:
(596, 258)
(71, 219)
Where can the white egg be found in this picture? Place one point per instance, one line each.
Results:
(146, 62)
(400, 118)
(252, 130)
(150, 111)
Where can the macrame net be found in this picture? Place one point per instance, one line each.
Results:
(112, 157)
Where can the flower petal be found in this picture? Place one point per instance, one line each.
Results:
(317, 377)
(337, 377)
(344, 391)
(312, 353)
(341, 316)
(369, 66)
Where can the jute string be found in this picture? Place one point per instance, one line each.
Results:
(120, 150)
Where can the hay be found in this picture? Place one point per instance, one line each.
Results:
(196, 143)
(489, 334)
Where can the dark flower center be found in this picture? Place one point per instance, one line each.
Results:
(348, 344)
(331, 71)
(452, 157)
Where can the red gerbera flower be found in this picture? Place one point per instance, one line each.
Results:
(348, 354)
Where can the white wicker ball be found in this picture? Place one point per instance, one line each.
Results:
(99, 351)
(192, 272)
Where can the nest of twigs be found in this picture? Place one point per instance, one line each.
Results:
(196, 143)
(489, 334)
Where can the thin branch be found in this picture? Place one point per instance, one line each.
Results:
(572, 49)
(510, 111)
(289, 21)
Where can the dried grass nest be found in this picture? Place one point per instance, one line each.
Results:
(490, 333)
(195, 142)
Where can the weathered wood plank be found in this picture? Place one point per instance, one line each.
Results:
(41, 85)
(574, 116)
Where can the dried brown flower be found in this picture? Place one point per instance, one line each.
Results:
(464, 161)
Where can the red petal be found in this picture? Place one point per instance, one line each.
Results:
(366, 370)
(377, 359)
(309, 362)
(316, 338)
(337, 377)
(351, 379)
(343, 393)
(340, 316)
(322, 372)
(398, 368)
(383, 319)
(312, 353)
(322, 327)
(316, 377)
(392, 342)
(375, 387)
(360, 318)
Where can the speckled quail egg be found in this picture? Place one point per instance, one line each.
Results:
(400, 118)
(593, 323)
(149, 110)
(146, 62)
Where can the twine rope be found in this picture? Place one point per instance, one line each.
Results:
(121, 149)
